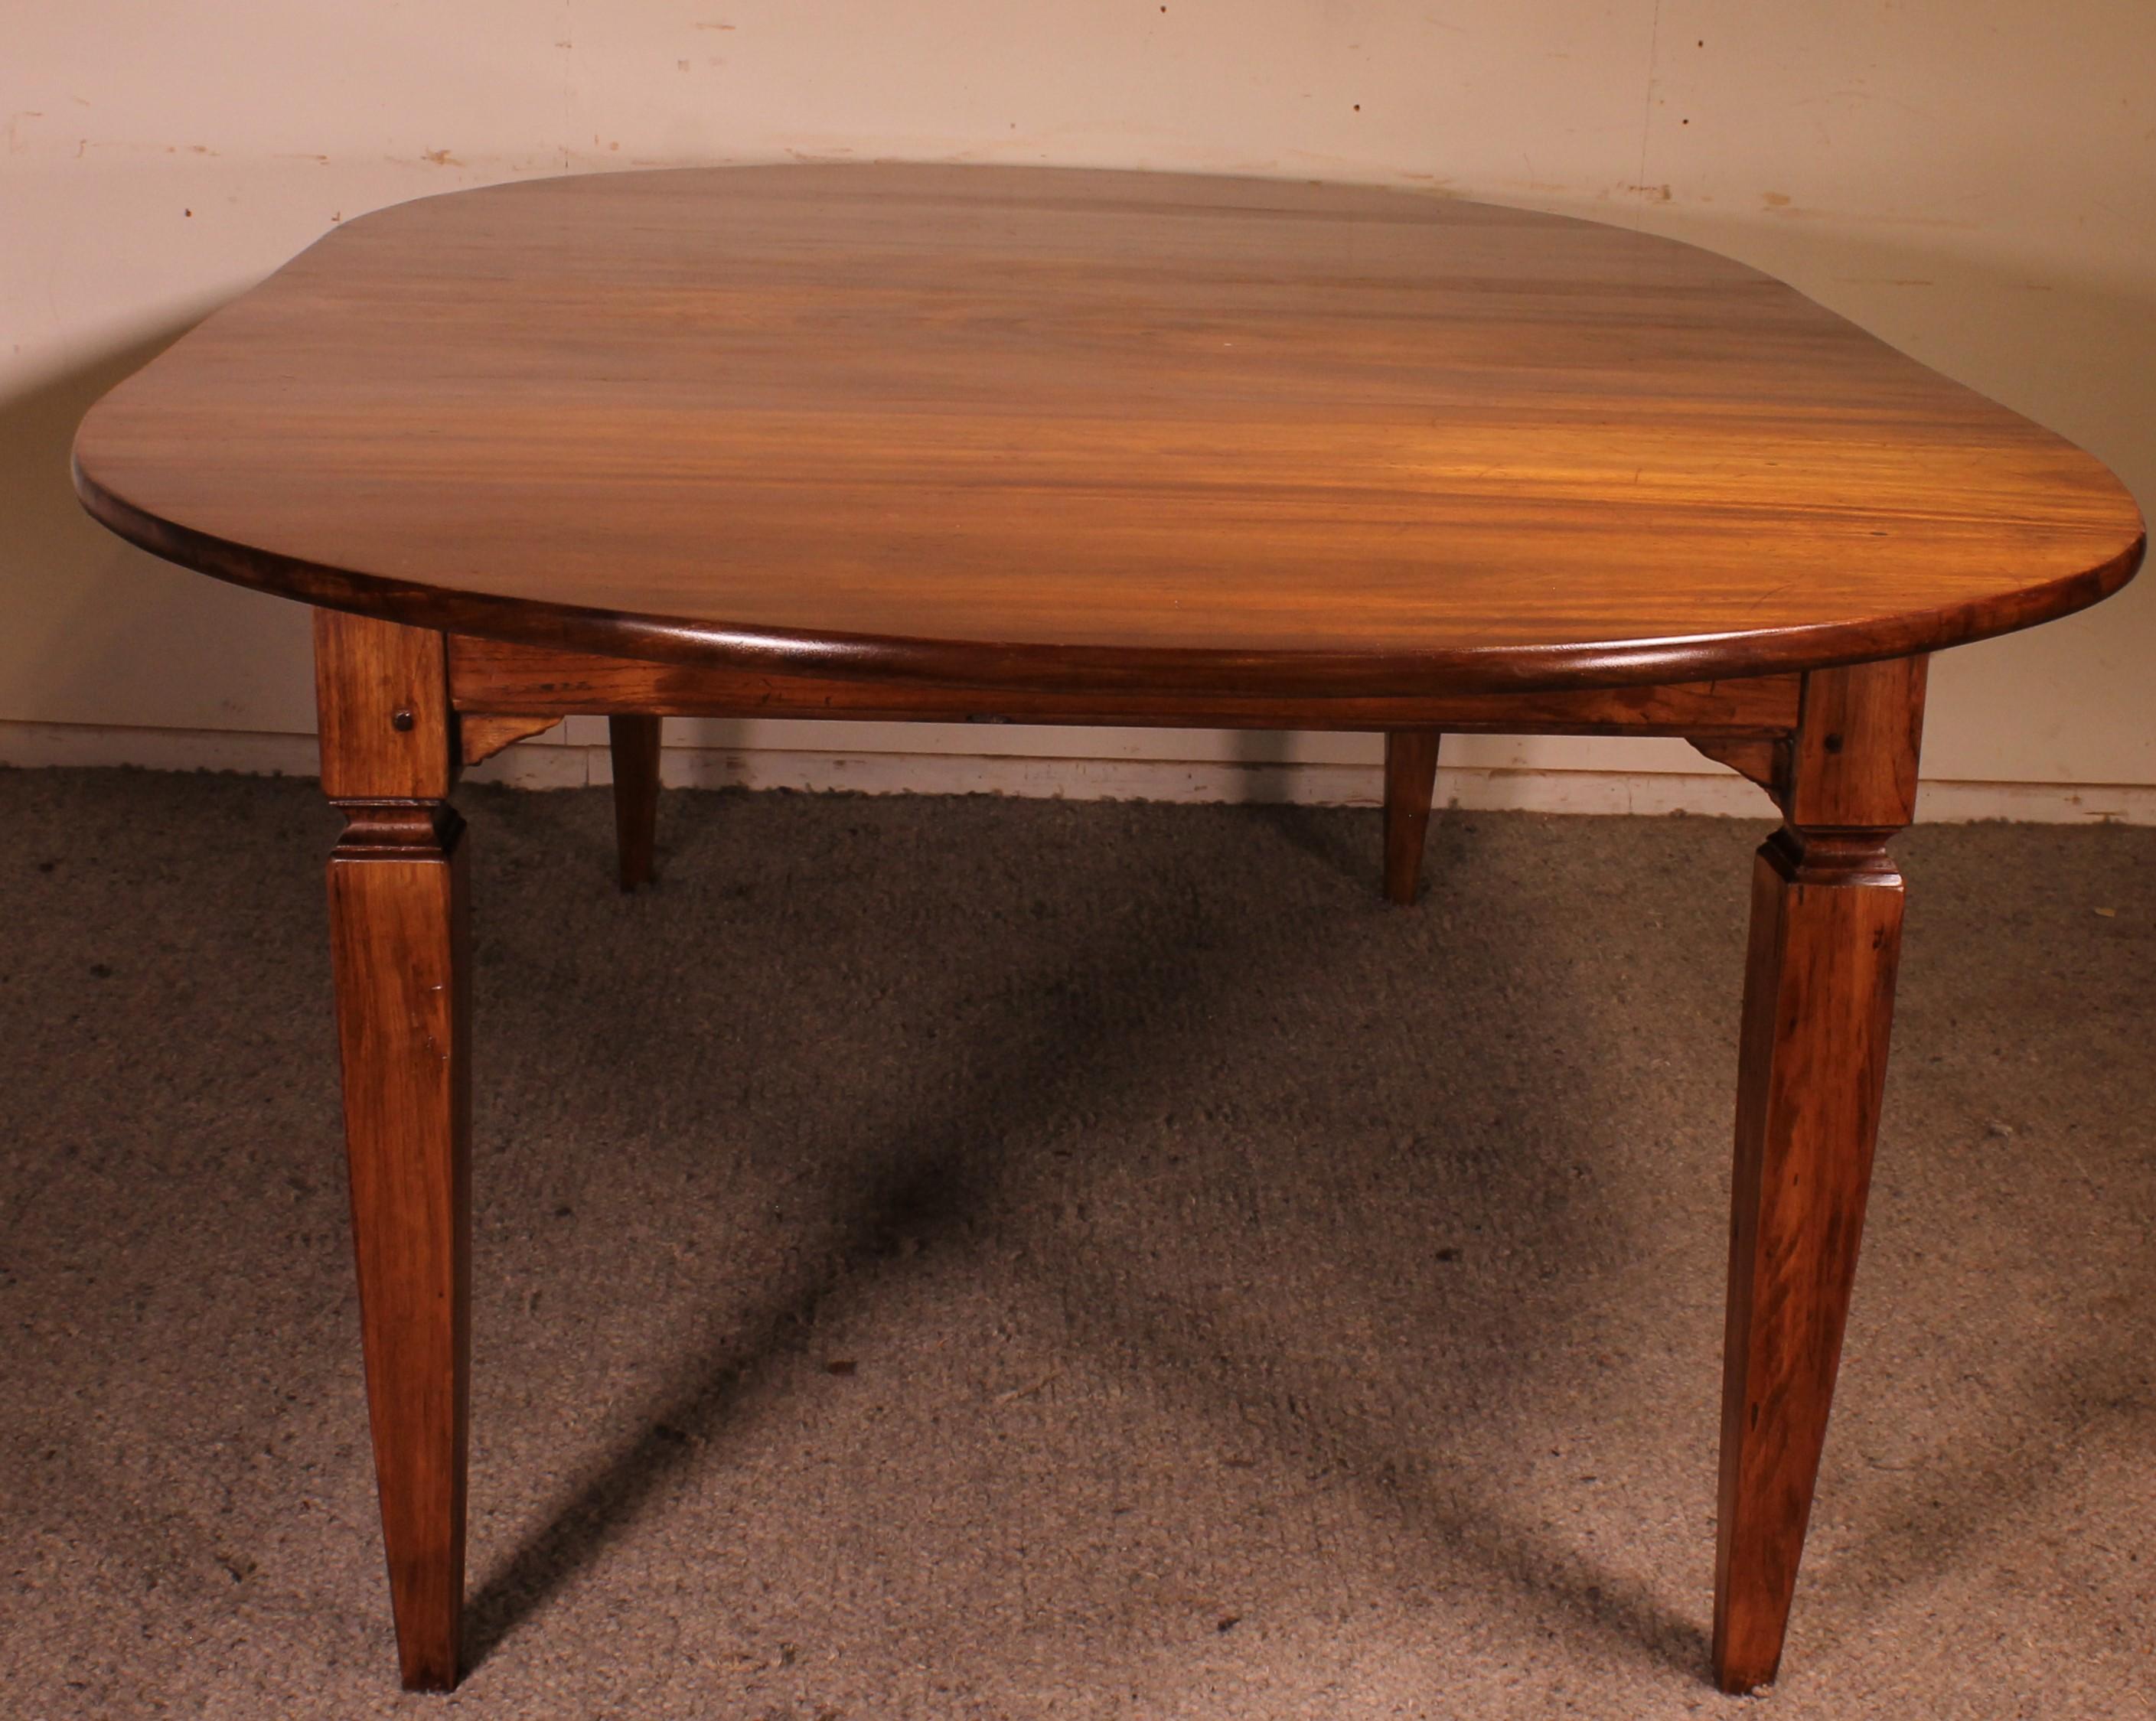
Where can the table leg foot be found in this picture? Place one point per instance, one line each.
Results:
(1410, 782)
(635, 746)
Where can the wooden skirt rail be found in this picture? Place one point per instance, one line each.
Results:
(495, 678)
(503, 692)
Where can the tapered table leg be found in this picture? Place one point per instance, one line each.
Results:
(635, 746)
(1410, 782)
(398, 938)
(1826, 930)
(398, 947)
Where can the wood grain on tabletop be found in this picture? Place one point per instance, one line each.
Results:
(1041, 427)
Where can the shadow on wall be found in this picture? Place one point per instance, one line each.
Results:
(99, 631)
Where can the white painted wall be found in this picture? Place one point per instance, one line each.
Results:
(1975, 180)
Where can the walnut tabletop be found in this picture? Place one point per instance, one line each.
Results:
(1031, 428)
(903, 442)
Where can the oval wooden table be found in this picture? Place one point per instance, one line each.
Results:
(894, 441)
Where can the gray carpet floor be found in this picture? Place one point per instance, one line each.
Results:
(970, 1258)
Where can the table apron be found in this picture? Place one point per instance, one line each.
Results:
(499, 679)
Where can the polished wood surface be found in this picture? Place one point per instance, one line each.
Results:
(1819, 1001)
(399, 951)
(1764, 762)
(1056, 447)
(382, 703)
(633, 740)
(481, 736)
(1853, 759)
(498, 676)
(1047, 429)
(1410, 778)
